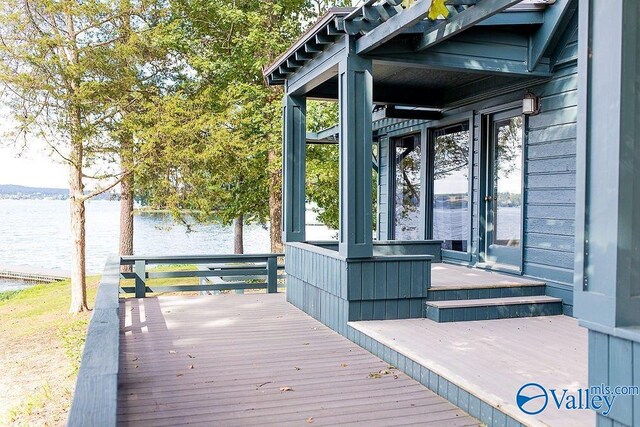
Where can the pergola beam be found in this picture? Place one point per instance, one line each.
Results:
(484, 9)
(394, 26)
(539, 41)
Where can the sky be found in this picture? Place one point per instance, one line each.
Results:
(33, 168)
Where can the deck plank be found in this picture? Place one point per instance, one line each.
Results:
(222, 360)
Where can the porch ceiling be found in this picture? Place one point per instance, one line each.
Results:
(397, 84)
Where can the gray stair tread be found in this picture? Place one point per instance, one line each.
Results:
(462, 287)
(540, 299)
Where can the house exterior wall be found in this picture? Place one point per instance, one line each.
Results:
(549, 173)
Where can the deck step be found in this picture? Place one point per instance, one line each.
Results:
(485, 292)
(493, 308)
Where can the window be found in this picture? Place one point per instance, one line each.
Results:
(450, 210)
(407, 188)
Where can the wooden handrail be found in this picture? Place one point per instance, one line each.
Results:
(197, 259)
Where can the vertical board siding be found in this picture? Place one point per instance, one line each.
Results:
(336, 291)
(615, 361)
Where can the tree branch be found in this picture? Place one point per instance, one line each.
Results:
(105, 189)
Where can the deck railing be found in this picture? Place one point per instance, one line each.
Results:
(95, 400)
(232, 272)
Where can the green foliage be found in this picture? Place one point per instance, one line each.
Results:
(213, 143)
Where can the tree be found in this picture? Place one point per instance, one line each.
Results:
(55, 62)
(223, 118)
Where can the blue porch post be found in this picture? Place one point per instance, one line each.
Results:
(294, 168)
(607, 269)
(355, 88)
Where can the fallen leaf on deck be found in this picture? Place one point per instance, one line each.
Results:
(136, 366)
(190, 366)
(179, 375)
(383, 372)
(305, 343)
(286, 389)
(343, 365)
(172, 352)
(191, 357)
(134, 359)
(375, 375)
(309, 420)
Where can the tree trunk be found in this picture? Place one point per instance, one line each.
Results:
(275, 203)
(238, 243)
(77, 217)
(126, 198)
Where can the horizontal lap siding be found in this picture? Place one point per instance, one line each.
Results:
(383, 189)
(550, 181)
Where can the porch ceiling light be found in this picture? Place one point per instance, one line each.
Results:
(530, 104)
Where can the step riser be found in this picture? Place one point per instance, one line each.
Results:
(460, 314)
(482, 293)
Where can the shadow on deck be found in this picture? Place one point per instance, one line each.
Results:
(255, 359)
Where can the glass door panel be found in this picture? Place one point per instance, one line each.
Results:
(504, 191)
(407, 188)
(450, 215)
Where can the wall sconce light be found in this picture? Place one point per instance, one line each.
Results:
(530, 104)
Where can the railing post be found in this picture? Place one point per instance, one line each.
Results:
(272, 274)
(141, 278)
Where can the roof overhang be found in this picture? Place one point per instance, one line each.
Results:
(376, 22)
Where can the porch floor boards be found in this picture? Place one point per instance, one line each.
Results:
(494, 358)
(223, 359)
(452, 276)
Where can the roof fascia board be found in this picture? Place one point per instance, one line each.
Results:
(318, 70)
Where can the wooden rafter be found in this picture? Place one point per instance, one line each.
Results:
(484, 9)
(539, 41)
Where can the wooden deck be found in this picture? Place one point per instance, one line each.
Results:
(494, 358)
(257, 360)
(458, 277)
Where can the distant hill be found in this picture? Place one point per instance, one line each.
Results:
(10, 191)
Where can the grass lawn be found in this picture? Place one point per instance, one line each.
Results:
(41, 345)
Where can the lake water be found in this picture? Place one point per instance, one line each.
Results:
(37, 233)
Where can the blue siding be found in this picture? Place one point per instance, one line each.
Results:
(550, 184)
(384, 188)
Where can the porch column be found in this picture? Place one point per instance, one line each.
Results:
(294, 168)
(355, 87)
(607, 268)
